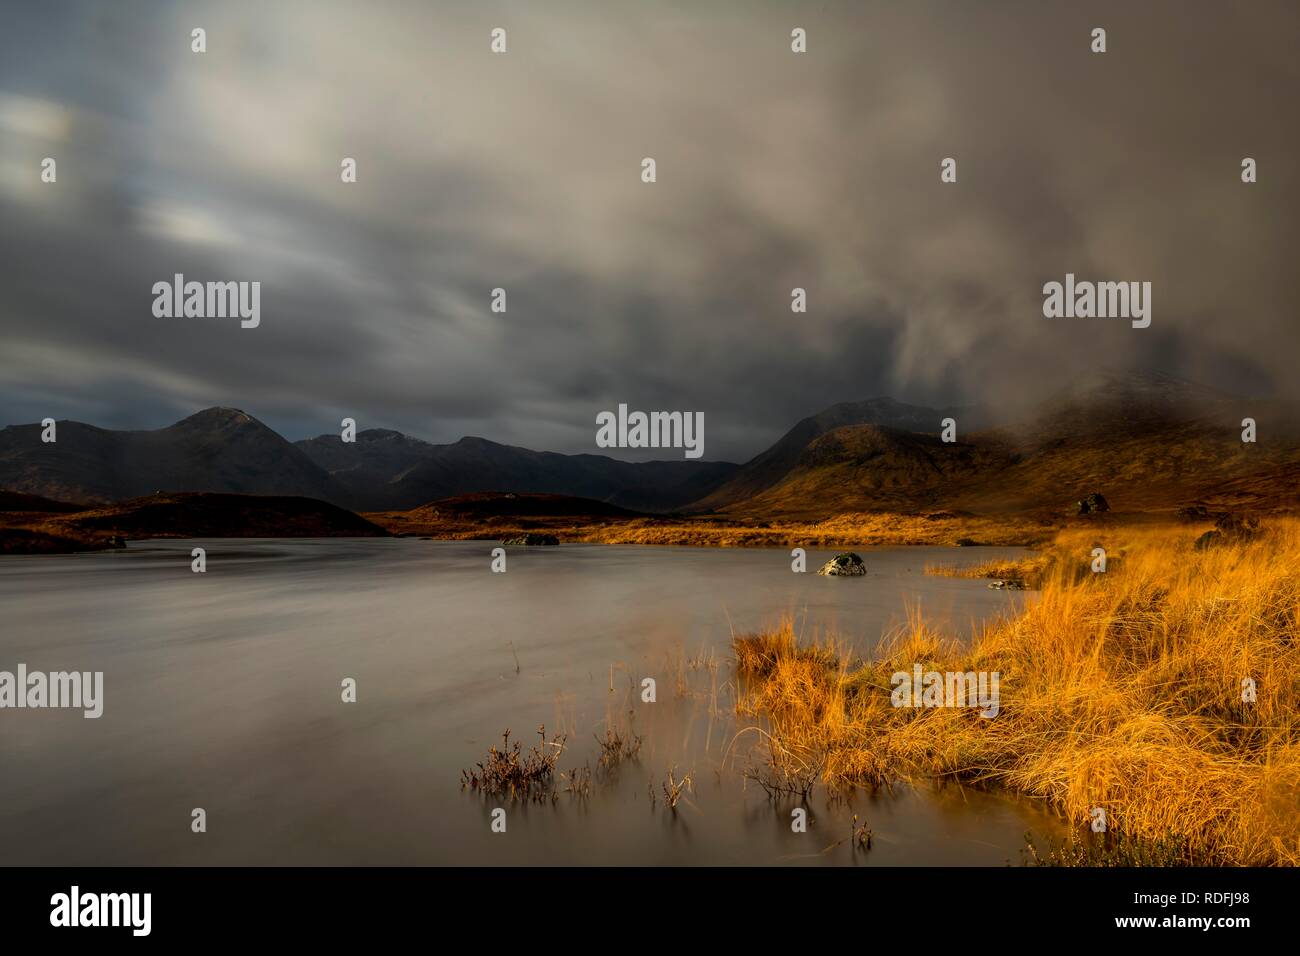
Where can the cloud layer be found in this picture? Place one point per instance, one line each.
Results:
(775, 170)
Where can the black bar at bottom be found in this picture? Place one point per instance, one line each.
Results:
(513, 907)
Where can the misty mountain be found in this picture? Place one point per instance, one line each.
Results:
(1148, 442)
(770, 467)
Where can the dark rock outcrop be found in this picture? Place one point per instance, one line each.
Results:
(1229, 528)
(848, 564)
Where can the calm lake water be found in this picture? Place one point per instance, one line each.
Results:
(222, 691)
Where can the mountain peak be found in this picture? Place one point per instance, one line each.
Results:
(219, 449)
(219, 415)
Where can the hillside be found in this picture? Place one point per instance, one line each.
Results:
(1148, 443)
(17, 501)
(873, 468)
(775, 464)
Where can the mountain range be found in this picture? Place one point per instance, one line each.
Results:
(1148, 442)
(227, 450)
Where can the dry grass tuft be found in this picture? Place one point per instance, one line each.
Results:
(511, 771)
(617, 746)
(675, 789)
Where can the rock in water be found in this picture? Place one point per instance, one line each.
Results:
(847, 563)
(532, 538)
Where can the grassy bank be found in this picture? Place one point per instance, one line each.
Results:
(1121, 691)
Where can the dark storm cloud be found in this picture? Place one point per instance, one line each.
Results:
(522, 171)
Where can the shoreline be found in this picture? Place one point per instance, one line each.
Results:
(841, 531)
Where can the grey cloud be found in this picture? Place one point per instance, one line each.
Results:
(521, 171)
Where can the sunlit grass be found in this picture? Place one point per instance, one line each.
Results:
(1121, 690)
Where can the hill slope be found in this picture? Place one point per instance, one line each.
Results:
(18, 502)
(773, 465)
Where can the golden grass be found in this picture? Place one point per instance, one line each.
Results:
(1120, 690)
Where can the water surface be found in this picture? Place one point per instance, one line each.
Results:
(222, 691)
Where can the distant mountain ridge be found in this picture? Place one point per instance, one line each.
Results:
(229, 451)
(385, 470)
(1146, 441)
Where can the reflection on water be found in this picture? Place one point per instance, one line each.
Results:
(222, 691)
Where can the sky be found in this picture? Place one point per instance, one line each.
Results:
(523, 171)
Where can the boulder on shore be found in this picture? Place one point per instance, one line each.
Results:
(1095, 503)
(532, 539)
(847, 563)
